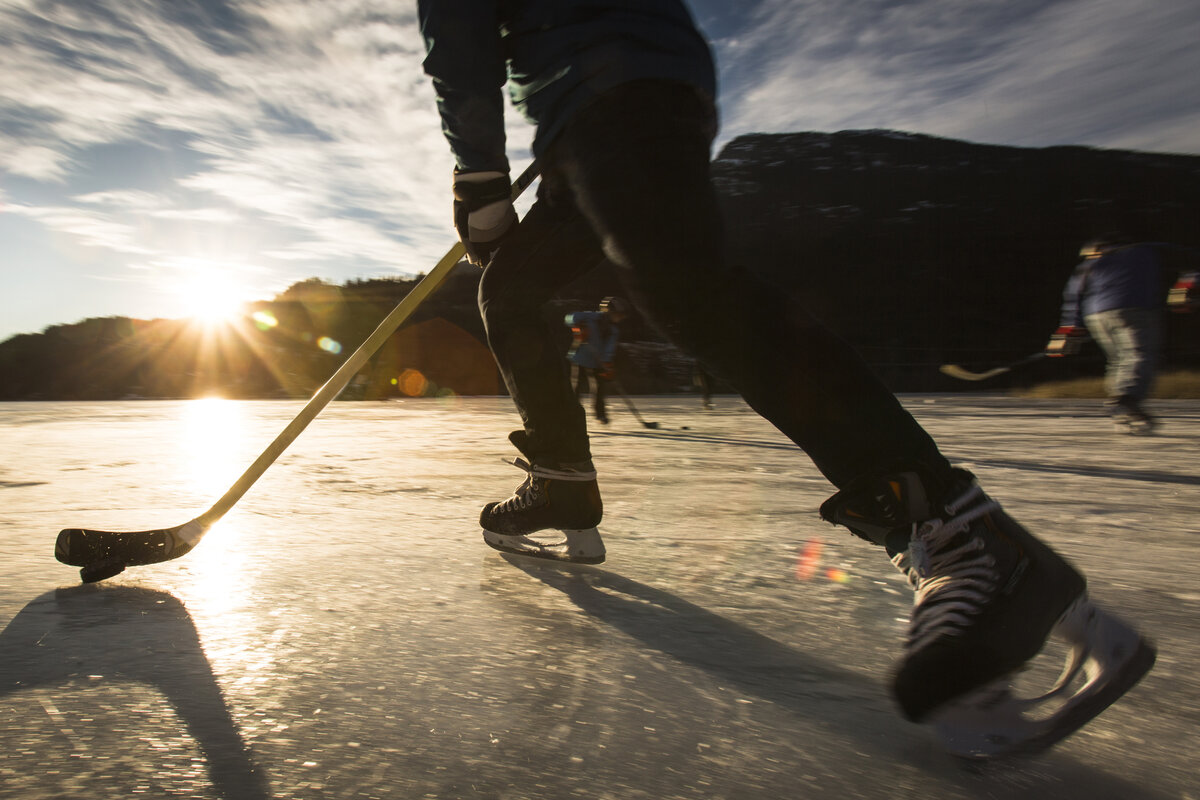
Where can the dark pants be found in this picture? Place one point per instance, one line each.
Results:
(703, 382)
(628, 180)
(585, 379)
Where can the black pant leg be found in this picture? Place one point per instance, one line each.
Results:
(636, 162)
(551, 246)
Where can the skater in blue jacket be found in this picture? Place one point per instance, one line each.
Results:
(593, 352)
(1117, 294)
(622, 95)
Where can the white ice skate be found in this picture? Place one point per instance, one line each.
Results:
(1136, 426)
(553, 514)
(1106, 659)
(991, 603)
(573, 545)
(1129, 417)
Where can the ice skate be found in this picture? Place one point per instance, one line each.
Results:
(987, 597)
(1106, 659)
(1129, 417)
(1136, 423)
(553, 514)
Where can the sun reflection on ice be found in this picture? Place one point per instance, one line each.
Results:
(217, 575)
(218, 582)
(213, 428)
(219, 590)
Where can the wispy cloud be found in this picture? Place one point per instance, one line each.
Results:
(92, 228)
(295, 115)
(1032, 72)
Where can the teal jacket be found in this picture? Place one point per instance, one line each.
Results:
(555, 55)
(596, 337)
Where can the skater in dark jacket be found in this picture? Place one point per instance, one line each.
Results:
(1118, 295)
(622, 95)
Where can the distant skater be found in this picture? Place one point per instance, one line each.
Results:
(595, 335)
(703, 383)
(1117, 294)
(622, 95)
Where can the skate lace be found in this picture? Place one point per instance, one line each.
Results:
(951, 572)
(530, 491)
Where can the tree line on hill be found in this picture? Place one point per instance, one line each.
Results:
(918, 250)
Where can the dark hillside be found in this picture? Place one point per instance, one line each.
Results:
(919, 250)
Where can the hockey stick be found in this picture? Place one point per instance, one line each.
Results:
(955, 371)
(628, 402)
(102, 554)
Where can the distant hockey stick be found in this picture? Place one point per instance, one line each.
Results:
(628, 402)
(955, 371)
(102, 554)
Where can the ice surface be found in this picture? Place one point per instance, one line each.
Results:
(344, 632)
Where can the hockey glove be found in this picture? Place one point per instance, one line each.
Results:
(1185, 294)
(1066, 341)
(483, 213)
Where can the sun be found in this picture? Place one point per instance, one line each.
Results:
(211, 305)
(212, 299)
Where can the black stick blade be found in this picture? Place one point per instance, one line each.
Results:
(101, 570)
(955, 371)
(80, 547)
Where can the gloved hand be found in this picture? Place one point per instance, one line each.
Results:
(483, 212)
(1185, 294)
(1066, 341)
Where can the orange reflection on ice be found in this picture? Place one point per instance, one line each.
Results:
(809, 559)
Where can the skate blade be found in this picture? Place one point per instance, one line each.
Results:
(1107, 658)
(569, 545)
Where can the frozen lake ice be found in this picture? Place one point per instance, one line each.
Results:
(344, 632)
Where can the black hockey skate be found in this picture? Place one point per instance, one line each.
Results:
(559, 497)
(988, 596)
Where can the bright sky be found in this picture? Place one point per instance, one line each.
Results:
(155, 153)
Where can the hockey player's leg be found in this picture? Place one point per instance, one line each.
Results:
(988, 595)
(548, 249)
(599, 406)
(639, 166)
(1136, 334)
(551, 246)
(1130, 339)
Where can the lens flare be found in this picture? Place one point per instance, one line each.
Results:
(264, 320)
(837, 575)
(413, 383)
(809, 559)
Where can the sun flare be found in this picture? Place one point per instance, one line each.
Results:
(212, 301)
(210, 291)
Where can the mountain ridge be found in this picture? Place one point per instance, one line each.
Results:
(919, 250)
